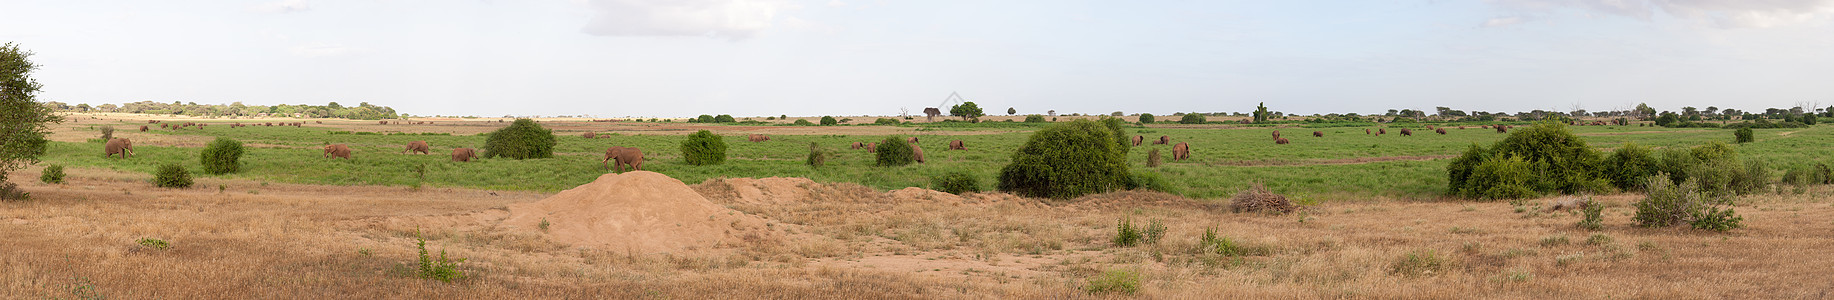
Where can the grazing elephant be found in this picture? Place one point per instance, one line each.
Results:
(1461, 127)
(1163, 139)
(1407, 132)
(872, 147)
(381, 122)
(464, 154)
(1439, 130)
(1365, 130)
(590, 135)
(857, 145)
(119, 145)
(417, 146)
(957, 145)
(913, 140)
(1276, 134)
(620, 157)
(1181, 151)
(1381, 131)
(917, 153)
(338, 150)
(142, 128)
(1280, 141)
(1502, 129)
(758, 138)
(1138, 139)
(1318, 134)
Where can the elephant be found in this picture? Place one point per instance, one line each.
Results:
(957, 145)
(619, 157)
(417, 146)
(142, 128)
(464, 154)
(1181, 151)
(1502, 129)
(1280, 141)
(1138, 139)
(917, 153)
(1407, 132)
(1439, 130)
(121, 146)
(1365, 130)
(381, 122)
(1163, 139)
(913, 140)
(590, 135)
(1381, 131)
(857, 145)
(872, 147)
(338, 150)
(1318, 134)
(1276, 134)
(758, 138)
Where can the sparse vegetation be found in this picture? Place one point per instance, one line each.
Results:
(155, 244)
(441, 268)
(53, 174)
(1669, 204)
(1594, 216)
(1126, 234)
(956, 182)
(1418, 263)
(1114, 282)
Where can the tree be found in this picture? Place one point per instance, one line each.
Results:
(966, 110)
(1068, 160)
(829, 120)
(1192, 118)
(1261, 113)
(23, 121)
(1644, 111)
(1146, 118)
(1010, 111)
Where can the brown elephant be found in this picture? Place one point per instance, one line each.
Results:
(1365, 130)
(1502, 129)
(872, 147)
(417, 146)
(590, 135)
(142, 128)
(620, 157)
(1318, 134)
(1407, 132)
(119, 145)
(913, 140)
(1281, 141)
(338, 150)
(464, 154)
(1276, 134)
(1461, 127)
(1163, 139)
(1181, 151)
(1138, 140)
(917, 153)
(857, 145)
(957, 145)
(757, 138)
(1381, 131)
(1439, 130)
(381, 122)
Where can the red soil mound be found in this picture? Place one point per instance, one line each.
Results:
(639, 211)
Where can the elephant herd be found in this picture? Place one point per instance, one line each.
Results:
(1181, 151)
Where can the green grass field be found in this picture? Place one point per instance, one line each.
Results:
(1345, 163)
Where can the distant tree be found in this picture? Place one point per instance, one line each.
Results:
(1689, 111)
(1146, 118)
(1192, 118)
(1261, 113)
(966, 110)
(1644, 111)
(1010, 111)
(724, 119)
(829, 120)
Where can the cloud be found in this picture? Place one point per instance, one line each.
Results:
(836, 3)
(1504, 21)
(731, 19)
(283, 6)
(1719, 13)
(322, 50)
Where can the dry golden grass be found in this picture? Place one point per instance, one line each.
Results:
(254, 240)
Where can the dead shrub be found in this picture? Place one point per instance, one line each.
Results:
(1258, 199)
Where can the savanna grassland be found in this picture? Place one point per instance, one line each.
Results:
(1374, 222)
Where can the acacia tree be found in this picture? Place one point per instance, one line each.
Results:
(23, 121)
(966, 110)
(1011, 111)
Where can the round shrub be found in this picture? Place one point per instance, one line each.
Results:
(956, 182)
(1067, 160)
(724, 119)
(894, 151)
(222, 156)
(53, 174)
(523, 139)
(172, 176)
(1558, 160)
(1743, 135)
(1630, 166)
(818, 156)
(801, 122)
(829, 120)
(1034, 119)
(704, 148)
(1192, 118)
(702, 119)
(886, 121)
(1146, 118)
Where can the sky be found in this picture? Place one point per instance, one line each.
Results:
(642, 58)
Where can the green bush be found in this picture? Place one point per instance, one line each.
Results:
(802, 122)
(522, 139)
(724, 119)
(172, 176)
(156, 244)
(702, 119)
(1595, 216)
(1667, 204)
(886, 121)
(108, 133)
(1126, 234)
(1067, 160)
(1114, 281)
(1146, 118)
(442, 268)
(1743, 135)
(1716, 167)
(1155, 231)
(704, 148)
(222, 156)
(818, 156)
(53, 174)
(1193, 118)
(829, 120)
(1630, 166)
(1034, 119)
(1541, 159)
(1502, 178)
(1150, 181)
(894, 151)
(956, 182)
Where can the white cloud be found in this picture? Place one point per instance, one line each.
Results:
(283, 6)
(1720, 13)
(322, 50)
(1504, 21)
(836, 3)
(732, 19)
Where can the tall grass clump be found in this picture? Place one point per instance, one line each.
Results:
(893, 151)
(1126, 234)
(1115, 282)
(704, 148)
(1743, 135)
(222, 156)
(956, 182)
(1541, 159)
(442, 268)
(818, 156)
(1417, 263)
(523, 139)
(1668, 204)
(53, 174)
(172, 176)
(1068, 160)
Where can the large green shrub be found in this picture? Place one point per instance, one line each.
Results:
(1034, 119)
(802, 122)
(1502, 177)
(829, 120)
(818, 156)
(1192, 118)
(1715, 167)
(1630, 166)
(1667, 204)
(894, 151)
(522, 139)
(222, 156)
(702, 119)
(956, 182)
(1067, 160)
(1146, 118)
(1743, 135)
(1541, 159)
(704, 148)
(724, 119)
(172, 176)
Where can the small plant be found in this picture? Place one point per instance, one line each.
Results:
(544, 225)
(1598, 239)
(1152, 158)
(441, 268)
(172, 176)
(108, 133)
(53, 174)
(1595, 216)
(1126, 235)
(1155, 231)
(156, 244)
(1211, 243)
(818, 156)
(1717, 220)
(222, 156)
(1555, 240)
(1417, 263)
(1114, 281)
(704, 148)
(956, 182)
(1743, 135)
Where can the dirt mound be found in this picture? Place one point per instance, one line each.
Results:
(777, 191)
(639, 211)
(767, 191)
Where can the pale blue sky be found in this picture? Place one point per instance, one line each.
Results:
(769, 57)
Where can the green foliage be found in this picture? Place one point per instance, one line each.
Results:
(25, 120)
(1743, 135)
(724, 119)
(1150, 181)
(1667, 204)
(1716, 167)
(704, 148)
(1211, 243)
(886, 121)
(1192, 118)
(1417, 263)
(829, 120)
(1067, 160)
(223, 156)
(1261, 114)
(1716, 219)
(53, 174)
(966, 110)
(172, 176)
(1146, 118)
(1594, 216)
(893, 151)
(1630, 166)
(818, 156)
(956, 182)
(1012, 111)
(1126, 234)
(1034, 119)
(1114, 281)
(802, 122)
(1155, 231)
(1544, 158)
(1809, 119)
(702, 119)
(156, 244)
(442, 268)
(522, 139)
(1502, 177)
(1804, 176)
